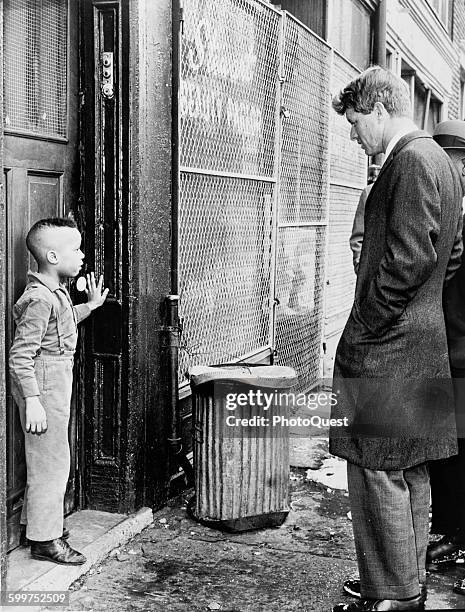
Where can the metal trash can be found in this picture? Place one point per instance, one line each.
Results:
(241, 460)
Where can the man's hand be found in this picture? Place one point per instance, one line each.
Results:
(95, 296)
(36, 418)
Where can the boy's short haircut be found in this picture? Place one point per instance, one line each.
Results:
(31, 238)
(375, 85)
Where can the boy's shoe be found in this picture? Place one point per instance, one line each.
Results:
(351, 588)
(24, 541)
(58, 551)
(369, 605)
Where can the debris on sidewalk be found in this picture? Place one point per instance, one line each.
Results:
(332, 474)
(178, 565)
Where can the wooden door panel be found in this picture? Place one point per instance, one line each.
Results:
(29, 197)
(103, 167)
(41, 176)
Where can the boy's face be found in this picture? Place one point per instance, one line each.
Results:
(64, 251)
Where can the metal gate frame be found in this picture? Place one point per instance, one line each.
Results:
(340, 277)
(303, 321)
(267, 180)
(309, 331)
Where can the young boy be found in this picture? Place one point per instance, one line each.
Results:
(41, 368)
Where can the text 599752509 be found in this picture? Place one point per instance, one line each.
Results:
(34, 598)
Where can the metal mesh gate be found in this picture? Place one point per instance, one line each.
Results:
(255, 156)
(35, 66)
(347, 177)
(228, 111)
(226, 267)
(302, 200)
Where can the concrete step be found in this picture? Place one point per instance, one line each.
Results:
(93, 533)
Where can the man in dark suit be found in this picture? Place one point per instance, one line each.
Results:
(448, 475)
(391, 370)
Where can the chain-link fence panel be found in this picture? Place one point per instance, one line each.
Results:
(299, 289)
(348, 161)
(225, 268)
(341, 277)
(35, 43)
(229, 118)
(348, 169)
(305, 132)
(302, 201)
(229, 69)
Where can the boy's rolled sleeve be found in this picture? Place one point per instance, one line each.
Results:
(81, 311)
(31, 327)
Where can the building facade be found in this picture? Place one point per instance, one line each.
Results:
(196, 147)
(424, 42)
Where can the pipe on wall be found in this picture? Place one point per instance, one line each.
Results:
(172, 331)
(379, 35)
(172, 328)
(379, 50)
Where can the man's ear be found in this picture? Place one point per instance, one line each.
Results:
(52, 257)
(380, 110)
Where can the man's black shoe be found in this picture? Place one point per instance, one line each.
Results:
(58, 551)
(444, 552)
(459, 587)
(24, 541)
(351, 588)
(369, 605)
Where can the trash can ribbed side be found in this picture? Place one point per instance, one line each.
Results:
(237, 475)
(241, 472)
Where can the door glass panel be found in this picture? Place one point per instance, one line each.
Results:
(35, 66)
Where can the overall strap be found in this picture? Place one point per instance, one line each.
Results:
(68, 297)
(61, 344)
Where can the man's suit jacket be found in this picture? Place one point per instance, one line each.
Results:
(454, 310)
(391, 368)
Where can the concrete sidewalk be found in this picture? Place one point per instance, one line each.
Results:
(178, 565)
(93, 533)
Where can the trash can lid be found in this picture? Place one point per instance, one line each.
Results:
(269, 376)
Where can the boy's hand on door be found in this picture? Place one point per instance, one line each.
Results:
(96, 295)
(36, 417)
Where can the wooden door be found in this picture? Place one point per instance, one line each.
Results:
(106, 171)
(41, 172)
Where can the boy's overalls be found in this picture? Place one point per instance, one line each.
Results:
(41, 363)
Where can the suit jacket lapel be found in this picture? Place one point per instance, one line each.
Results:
(399, 146)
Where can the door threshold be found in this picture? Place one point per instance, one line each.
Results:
(92, 532)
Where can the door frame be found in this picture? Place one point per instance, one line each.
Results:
(40, 172)
(138, 473)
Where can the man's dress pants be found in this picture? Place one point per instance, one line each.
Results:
(390, 512)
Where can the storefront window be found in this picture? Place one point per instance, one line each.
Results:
(426, 108)
(312, 14)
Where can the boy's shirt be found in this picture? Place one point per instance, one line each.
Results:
(43, 309)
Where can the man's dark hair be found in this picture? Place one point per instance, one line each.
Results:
(375, 85)
(31, 238)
